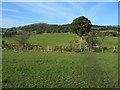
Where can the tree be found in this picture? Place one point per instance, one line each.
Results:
(80, 26)
(23, 40)
(92, 40)
(101, 35)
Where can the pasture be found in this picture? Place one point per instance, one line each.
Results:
(111, 42)
(35, 69)
(53, 39)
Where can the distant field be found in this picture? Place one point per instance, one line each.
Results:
(9, 40)
(108, 30)
(53, 39)
(46, 39)
(33, 69)
(111, 42)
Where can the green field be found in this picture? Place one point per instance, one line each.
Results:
(53, 39)
(111, 42)
(37, 69)
(64, 70)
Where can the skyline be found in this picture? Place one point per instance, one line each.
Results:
(16, 14)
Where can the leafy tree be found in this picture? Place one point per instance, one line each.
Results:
(80, 26)
(92, 40)
(22, 40)
(101, 35)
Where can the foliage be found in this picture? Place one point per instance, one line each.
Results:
(9, 32)
(40, 28)
(45, 28)
(22, 40)
(63, 39)
(91, 39)
(113, 34)
(104, 28)
(100, 35)
(80, 26)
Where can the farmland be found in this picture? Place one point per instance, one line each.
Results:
(111, 42)
(51, 39)
(59, 45)
(36, 69)
(59, 39)
(46, 39)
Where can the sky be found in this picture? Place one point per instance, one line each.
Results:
(16, 14)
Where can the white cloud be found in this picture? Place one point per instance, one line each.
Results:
(2, 9)
(51, 9)
(19, 16)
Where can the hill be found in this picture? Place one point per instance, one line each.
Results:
(39, 28)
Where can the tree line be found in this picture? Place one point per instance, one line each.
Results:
(37, 28)
(89, 39)
(40, 28)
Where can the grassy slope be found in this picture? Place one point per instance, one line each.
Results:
(60, 39)
(111, 42)
(9, 40)
(51, 38)
(42, 69)
(108, 30)
(53, 69)
(46, 39)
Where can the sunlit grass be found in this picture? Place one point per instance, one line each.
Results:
(35, 69)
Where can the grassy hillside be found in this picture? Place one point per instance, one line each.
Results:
(53, 69)
(51, 39)
(111, 42)
(36, 69)
(9, 40)
(59, 39)
(108, 30)
(46, 39)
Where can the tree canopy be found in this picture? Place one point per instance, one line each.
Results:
(80, 26)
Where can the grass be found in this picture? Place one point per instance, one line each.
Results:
(9, 40)
(34, 69)
(51, 39)
(108, 30)
(111, 42)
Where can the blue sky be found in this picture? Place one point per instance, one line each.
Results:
(24, 13)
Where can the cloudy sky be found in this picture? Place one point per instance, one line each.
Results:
(23, 13)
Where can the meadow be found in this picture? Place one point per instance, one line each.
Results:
(53, 39)
(110, 42)
(37, 69)
(50, 39)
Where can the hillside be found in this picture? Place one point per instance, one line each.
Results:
(60, 39)
(39, 28)
(63, 65)
(45, 39)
